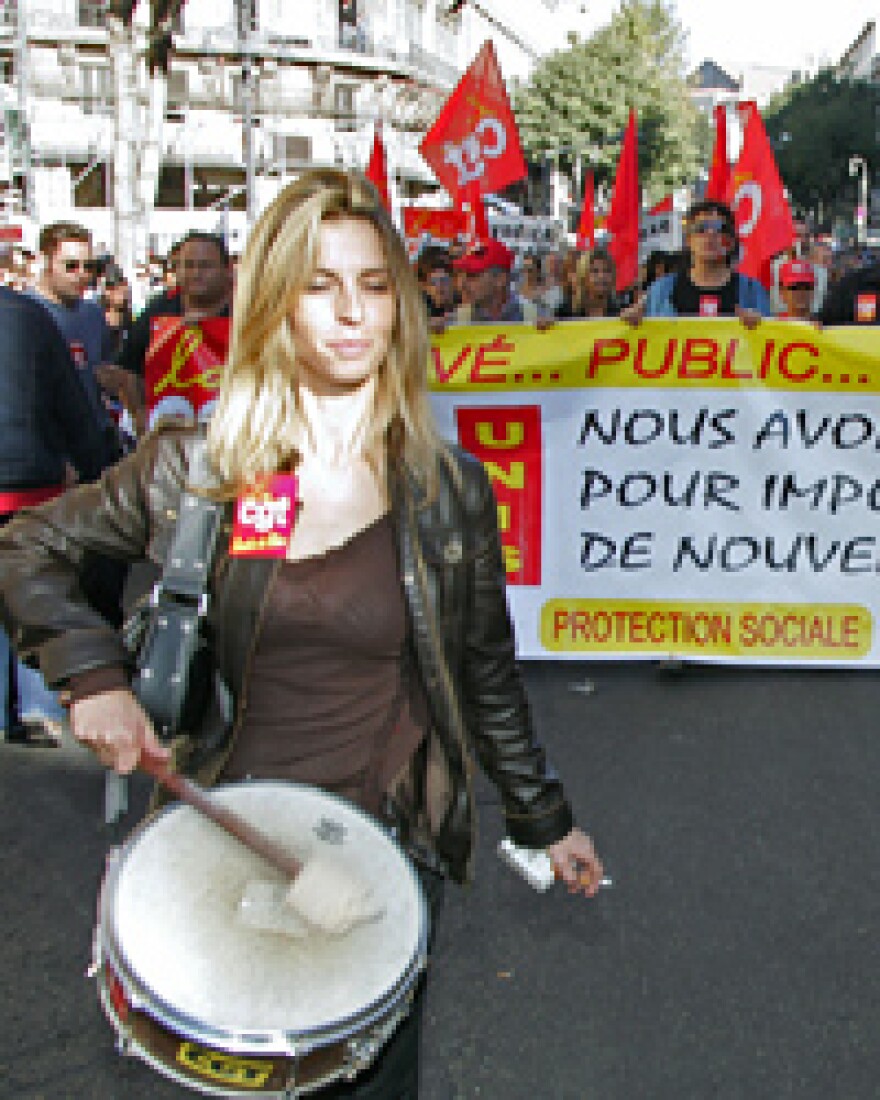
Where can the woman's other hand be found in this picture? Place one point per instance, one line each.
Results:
(117, 729)
(575, 861)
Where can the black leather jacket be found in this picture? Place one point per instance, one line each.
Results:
(452, 575)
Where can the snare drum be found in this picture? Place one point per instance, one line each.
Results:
(230, 1010)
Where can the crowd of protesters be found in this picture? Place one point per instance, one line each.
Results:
(812, 281)
(72, 377)
(77, 333)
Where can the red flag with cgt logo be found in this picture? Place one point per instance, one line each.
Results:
(475, 139)
(757, 198)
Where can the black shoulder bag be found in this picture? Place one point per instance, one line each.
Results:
(166, 634)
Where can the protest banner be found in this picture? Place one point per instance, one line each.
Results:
(686, 488)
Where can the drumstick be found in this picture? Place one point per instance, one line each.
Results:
(202, 802)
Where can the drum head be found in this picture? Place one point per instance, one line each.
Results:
(171, 924)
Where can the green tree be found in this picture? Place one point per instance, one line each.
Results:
(578, 100)
(816, 126)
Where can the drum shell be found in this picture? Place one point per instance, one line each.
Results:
(232, 1060)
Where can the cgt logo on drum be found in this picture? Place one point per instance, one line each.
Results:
(238, 1072)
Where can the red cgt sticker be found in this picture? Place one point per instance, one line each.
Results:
(264, 519)
(866, 309)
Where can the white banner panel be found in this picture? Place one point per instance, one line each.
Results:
(685, 488)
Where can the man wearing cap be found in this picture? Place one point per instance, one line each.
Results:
(797, 281)
(489, 298)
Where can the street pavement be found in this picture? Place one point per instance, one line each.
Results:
(735, 957)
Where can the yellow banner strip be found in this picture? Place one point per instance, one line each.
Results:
(827, 632)
(671, 354)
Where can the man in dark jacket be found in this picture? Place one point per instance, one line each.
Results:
(46, 420)
(855, 300)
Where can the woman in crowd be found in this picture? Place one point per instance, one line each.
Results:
(592, 294)
(116, 303)
(530, 288)
(378, 655)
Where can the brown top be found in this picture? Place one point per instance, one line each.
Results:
(329, 701)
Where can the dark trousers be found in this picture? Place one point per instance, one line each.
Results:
(395, 1073)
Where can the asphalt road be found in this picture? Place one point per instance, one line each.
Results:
(735, 956)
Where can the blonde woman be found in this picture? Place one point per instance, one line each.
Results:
(377, 655)
(591, 293)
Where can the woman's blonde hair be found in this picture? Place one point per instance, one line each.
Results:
(257, 428)
(581, 295)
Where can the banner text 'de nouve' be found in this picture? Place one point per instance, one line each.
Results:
(695, 354)
(684, 487)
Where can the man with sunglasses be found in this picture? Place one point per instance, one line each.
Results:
(709, 286)
(66, 271)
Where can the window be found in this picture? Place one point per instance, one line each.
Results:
(247, 16)
(178, 87)
(412, 21)
(91, 13)
(96, 88)
(290, 151)
(343, 106)
(8, 13)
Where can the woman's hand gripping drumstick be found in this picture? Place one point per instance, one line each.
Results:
(117, 729)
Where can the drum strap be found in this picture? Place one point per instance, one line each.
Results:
(166, 632)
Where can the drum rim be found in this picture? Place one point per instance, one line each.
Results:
(269, 1042)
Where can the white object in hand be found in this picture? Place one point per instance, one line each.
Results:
(534, 864)
(331, 898)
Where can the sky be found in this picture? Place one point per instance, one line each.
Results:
(790, 33)
(737, 33)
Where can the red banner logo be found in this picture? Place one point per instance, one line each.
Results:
(508, 443)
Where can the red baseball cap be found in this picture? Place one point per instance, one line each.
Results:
(797, 273)
(487, 254)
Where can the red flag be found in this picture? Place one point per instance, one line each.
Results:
(586, 231)
(623, 217)
(664, 206)
(719, 172)
(475, 139)
(377, 172)
(763, 217)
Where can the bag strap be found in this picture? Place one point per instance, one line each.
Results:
(194, 543)
(179, 604)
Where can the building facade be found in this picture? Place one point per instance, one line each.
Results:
(257, 90)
